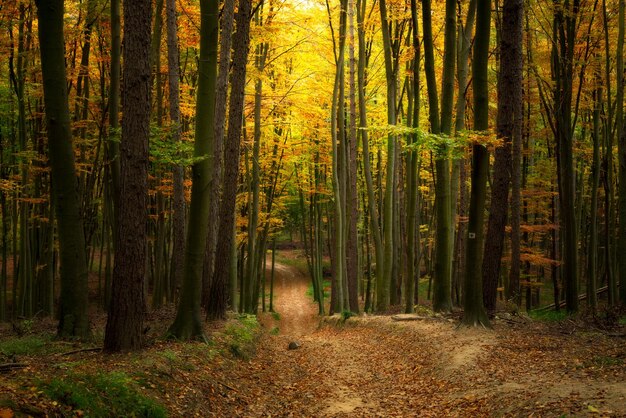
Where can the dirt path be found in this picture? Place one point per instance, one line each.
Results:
(372, 366)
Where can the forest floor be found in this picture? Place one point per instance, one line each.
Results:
(364, 366)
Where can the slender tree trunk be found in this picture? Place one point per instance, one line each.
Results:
(178, 252)
(382, 285)
(124, 328)
(225, 256)
(337, 141)
(621, 134)
(352, 238)
(369, 183)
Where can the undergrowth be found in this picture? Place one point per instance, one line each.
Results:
(28, 345)
(102, 395)
(242, 336)
(548, 316)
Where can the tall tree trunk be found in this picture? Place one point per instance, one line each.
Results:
(474, 312)
(178, 252)
(188, 322)
(73, 319)
(442, 300)
(563, 57)
(228, 13)
(463, 50)
(369, 183)
(411, 172)
(124, 327)
(621, 134)
(226, 256)
(352, 238)
(509, 124)
(337, 142)
(382, 286)
(112, 148)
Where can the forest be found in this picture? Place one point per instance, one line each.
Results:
(312, 208)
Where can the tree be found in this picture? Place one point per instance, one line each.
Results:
(509, 129)
(73, 319)
(225, 256)
(474, 312)
(188, 323)
(564, 28)
(124, 329)
(178, 252)
(442, 300)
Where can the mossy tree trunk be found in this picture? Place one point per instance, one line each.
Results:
(474, 312)
(73, 319)
(188, 322)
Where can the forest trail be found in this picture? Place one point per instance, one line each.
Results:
(373, 366)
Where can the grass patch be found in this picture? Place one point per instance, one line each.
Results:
(275, 331)
(276, 316)
(327, 285)
(29, 345)
(242, 336)
(622, 320)
(102, 395)
(548, 316)
(605, 361)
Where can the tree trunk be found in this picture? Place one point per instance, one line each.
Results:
(178, 252)
(225, 255)
(73, 319)
(474, 312)
(124, 327)
(188, 322)
(509, 123)
(221, 101)
(563, 56)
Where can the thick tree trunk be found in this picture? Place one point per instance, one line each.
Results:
(221, 101)
(188, 322)
(509, 124)
(565, 34)
(124, 328)
(474, 312)
(73, 319)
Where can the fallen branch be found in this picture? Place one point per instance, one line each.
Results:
(408, 317)
(12, 366)
(82, 350)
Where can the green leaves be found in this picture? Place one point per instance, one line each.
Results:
(164, 150)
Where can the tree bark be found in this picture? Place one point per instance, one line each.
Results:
(225, 256)
(188, 322)
(508, 127)
(124, 327)
(474, 312)
(73, 319)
